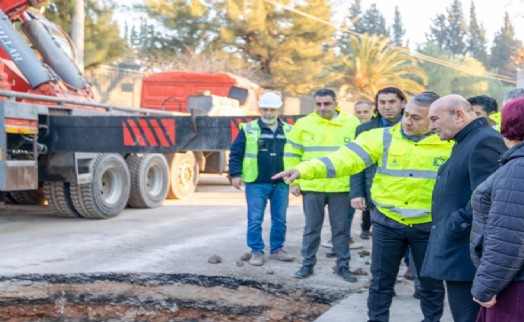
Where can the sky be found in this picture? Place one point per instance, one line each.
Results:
(417, 15)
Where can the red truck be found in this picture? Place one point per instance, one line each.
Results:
(89, 160)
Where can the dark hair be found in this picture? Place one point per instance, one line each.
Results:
(389, 90)
(425, 98)
(512, 127)
(326, 92)
(489, 104)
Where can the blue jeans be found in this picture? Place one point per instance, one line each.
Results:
(257, 195)
(388, 247)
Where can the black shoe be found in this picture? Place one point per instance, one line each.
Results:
(416, 295)
(364, 235)
(346, 274)
(303, 272)
(331, 254)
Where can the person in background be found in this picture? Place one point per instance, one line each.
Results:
(408, 156)
(313, 136)
(389, 104)
(484, 106)
(256, 154)
(475, 156)
(363, 110)
(497, 234)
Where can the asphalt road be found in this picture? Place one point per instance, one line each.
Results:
(178, 237)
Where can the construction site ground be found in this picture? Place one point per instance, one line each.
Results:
(180, 262)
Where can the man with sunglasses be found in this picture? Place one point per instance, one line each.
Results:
(313, 136)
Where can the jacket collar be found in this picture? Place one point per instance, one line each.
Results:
(475, 124)
(517, 151)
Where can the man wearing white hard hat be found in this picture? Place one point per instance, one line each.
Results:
(256, 155)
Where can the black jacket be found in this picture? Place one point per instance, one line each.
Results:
(474, 157)
(360, 183)
(497, 235)
(270, 154)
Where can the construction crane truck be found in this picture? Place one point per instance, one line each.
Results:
(89, 159)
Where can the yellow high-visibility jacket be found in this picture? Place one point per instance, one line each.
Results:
(497, 118)
(406, 172)
(313, 136)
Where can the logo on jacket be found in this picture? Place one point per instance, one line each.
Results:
(437, 162)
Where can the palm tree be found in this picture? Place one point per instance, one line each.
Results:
(375, 63)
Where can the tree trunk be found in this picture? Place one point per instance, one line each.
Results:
(77, 32)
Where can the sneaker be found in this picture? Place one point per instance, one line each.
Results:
(327, 244)
(257, 259)
(304, 272)
(346, 275)
(353, 245)
(281, 255)
(364, 235)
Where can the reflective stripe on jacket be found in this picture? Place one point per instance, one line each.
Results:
(253, 134)
(406, 171)
(313, 136)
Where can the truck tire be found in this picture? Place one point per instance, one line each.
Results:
(26, 197)
(149, 180)
(183, 175)
(106, 196)
(58, 195)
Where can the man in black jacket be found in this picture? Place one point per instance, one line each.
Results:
(475, 156)
(389, 104)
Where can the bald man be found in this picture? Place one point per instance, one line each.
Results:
(475, 156)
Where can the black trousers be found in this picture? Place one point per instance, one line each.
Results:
(463, 308)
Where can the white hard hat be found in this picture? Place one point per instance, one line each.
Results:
(270, 100)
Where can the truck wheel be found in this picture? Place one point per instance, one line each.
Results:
(107, 195)
(26, 197)
(183, 174)
(58, 195)
(149, 180)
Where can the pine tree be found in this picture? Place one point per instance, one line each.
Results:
(398, 31)
(449, 31)
(456, 29)
(373, 22)
(437, 31)
(354, 20)
(288, 50)
(476, 38)
(504, 46)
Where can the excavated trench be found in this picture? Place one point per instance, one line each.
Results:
(156, 297)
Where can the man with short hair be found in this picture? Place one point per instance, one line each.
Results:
(475, 156)
(408, 156)
(256, 154)
(389, 104)
(484, 106)
(313, 136)
(363, 110)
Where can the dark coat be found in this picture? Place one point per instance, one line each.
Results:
(474, 157)
(360, 183)
(270, 157)
(497, 234)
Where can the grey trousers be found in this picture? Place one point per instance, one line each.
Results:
(338, 206)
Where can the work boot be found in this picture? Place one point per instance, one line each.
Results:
(409, 274)
(346, 274)
(281, 255)
(257, 259)
(303, 272)
(364, 234)
(331, 254)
